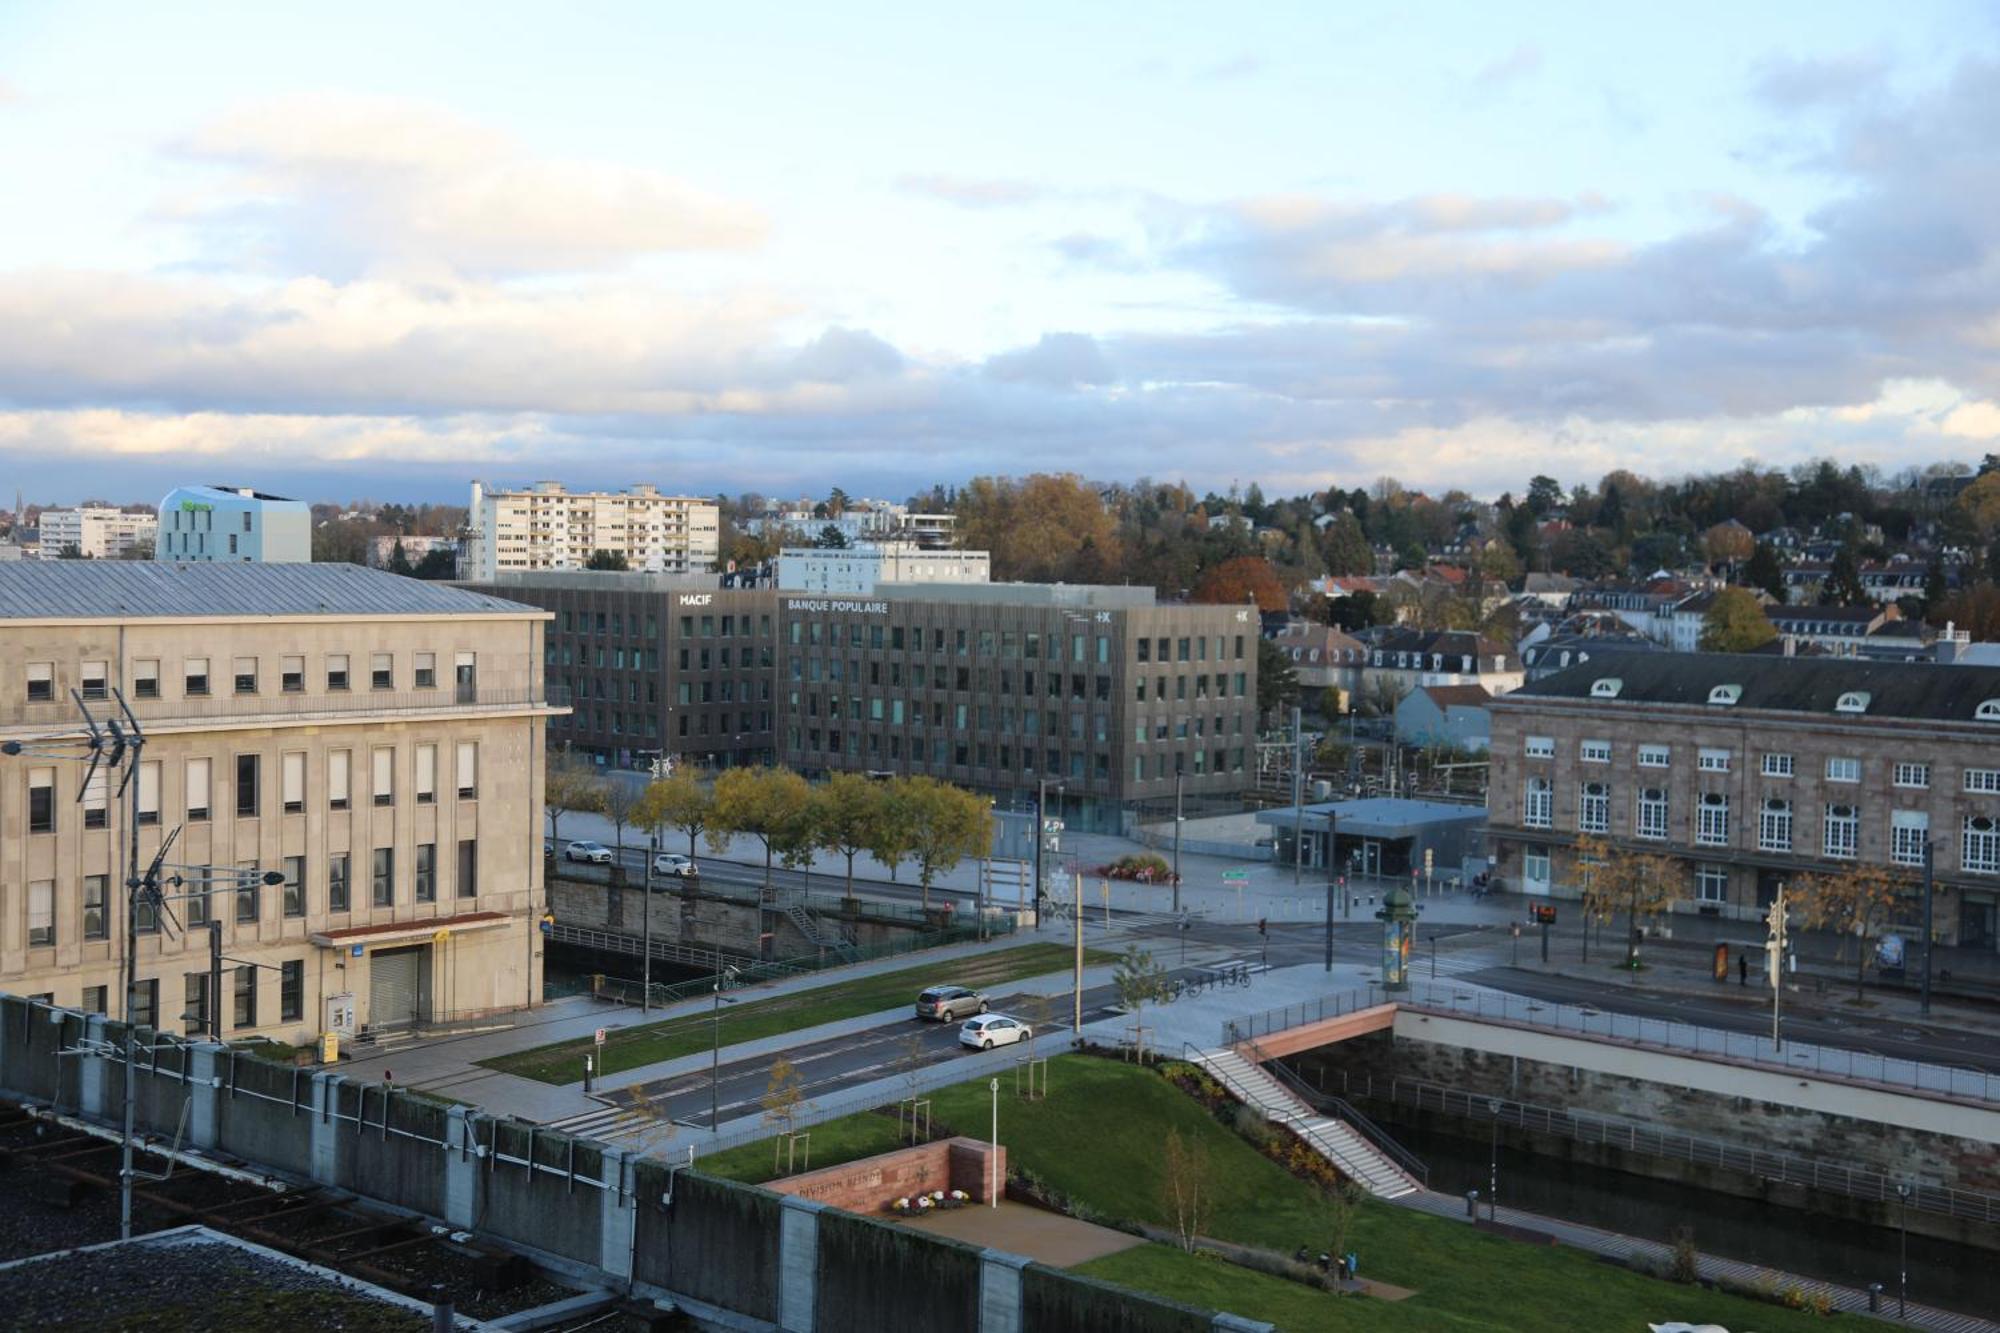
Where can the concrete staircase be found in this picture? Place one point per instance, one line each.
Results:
(1353, 1155)
(820, 932)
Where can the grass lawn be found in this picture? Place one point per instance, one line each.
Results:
(1097, 1137)
(631, 1047)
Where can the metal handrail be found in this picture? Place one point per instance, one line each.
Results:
(1345, 1111)
(273, 702)
(672, 951)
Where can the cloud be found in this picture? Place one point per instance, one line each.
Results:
(1504, 71)
(1058, 361)
(1236, 67)
(342, 186)
(973, 192)
(1795, 83)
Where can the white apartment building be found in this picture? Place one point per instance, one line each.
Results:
(862, 520)
(548, 527)
(234, 524)
(859, 570)
(98, 532)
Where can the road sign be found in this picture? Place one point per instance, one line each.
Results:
(598, 1036)
(1545, 913)
(1235, 877)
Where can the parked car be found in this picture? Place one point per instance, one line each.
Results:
(594, 852)
(675, 863)
(990, 1030)
(949, 1003)
(548, 848)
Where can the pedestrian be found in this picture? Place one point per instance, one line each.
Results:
(1742, 969)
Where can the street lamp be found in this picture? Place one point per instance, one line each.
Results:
(1177, 841)
(1493, 1166)
(1903, 1263)
(715, 1051)
(993, 1153)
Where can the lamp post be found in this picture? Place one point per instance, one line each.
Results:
(715, 1050)
(993, 1153)
(1298, 796)
(1924, 1001)
(1177, 842)
(646, 928)
(1493, 1165)
(1903, 1247)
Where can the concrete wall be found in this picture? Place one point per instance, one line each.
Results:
(870, 1184)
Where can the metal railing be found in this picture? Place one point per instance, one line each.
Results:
(1663, 1034)
(1612, 1132)
(1341, 1109)
(270, 701)
(829, 905)
(671, 951)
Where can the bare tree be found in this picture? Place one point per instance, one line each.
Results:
(783, 1091)
(1139, 980)
(618, 801)
(568, 785)
(1184, 1185)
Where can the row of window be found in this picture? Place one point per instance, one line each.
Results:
(1906, 774)
(943, 753)
(1711, 882)
(1007, 645)
(198, 785)
(243, 991)
(94, 677)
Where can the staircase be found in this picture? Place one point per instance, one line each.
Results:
(819, 932)
(1352, 1154)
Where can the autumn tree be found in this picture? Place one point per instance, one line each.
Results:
(1138, 980)
(1036, 527)
(1277, 681)
(1978, 507)
(1184, 1185)
(1596, 890)
(618, 801)
(849, 806)
(944, 824)
(1735, 623)
(1859, 901)
(677, 801)
(784, 1089)
(1976, 610)
(567, 784)
(1727, 543)
(1643, 884)
(1240, 579)
(765, 803)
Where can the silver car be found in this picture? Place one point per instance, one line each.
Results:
(948, 1004)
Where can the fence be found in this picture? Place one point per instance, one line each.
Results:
(786, 887)
(1322, 1100)
(1665, 1034)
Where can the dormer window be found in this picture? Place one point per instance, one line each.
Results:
(1724, 696)
(1988, 711)
(1607, 688)
(1854, 701)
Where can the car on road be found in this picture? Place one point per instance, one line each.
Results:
(990, 1030)
(675, 863)
(594, 852)
(949, 1003)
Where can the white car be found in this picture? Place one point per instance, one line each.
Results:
(674, 863)
(594, 852)
(989, 1030)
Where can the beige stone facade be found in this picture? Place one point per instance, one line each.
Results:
(389, 765)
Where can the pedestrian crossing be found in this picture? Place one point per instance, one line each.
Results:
(611, 1124)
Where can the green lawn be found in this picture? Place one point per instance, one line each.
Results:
(1097, 1136)
(747, 1020)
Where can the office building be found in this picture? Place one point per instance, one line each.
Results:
(858, 571)
(235, 524)
(377, 741)
(1750, 770)
(548, 527)
(97, 532)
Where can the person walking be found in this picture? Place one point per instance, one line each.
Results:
(1742, 969)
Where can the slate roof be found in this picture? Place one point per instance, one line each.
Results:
(138, 589)
(1923, 691)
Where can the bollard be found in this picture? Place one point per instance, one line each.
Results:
(1472, 1204)
(443, 1318)
(586, 1075)
(1874, 1298)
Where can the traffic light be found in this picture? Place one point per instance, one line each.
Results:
(1261, 929)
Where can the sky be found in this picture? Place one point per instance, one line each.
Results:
(383, 250)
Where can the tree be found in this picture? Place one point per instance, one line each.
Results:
(1858, 901)
(1735, 623)
(611, 560)
(1277, 682)
(1240, 579)
(1935, 587)
(440, 562)
(1764, 571)
(945, 824)
(849, 806)
(890, 836)
(618, 801)
(1843, 582)
(767, 804)
(1036, 527)
(1976, 610)
(1139, 980)
(141, 549)
(1595, 889)
(831, 538)
(569, 784)
(677, 801)
(1544, 494)
(1728, 542)
(1978, 506)
(783, 1091)
(399, 559)
(1344, 547)
(1342, 1202)
(1642, 883)
(1184, 1185)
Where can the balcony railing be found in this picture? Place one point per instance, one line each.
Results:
(60, 714)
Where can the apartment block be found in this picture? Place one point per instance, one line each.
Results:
(96, 532)
(1751, 770)
(377, 741)
(234, 524)
(858, 571)
(546, 527)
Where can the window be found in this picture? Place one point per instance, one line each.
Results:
(1595, 752)
(1913, 775)
(1593, 810)
(146, 1003)
(96, 999)
(336, 671)
(246, 786)
(385, 776)
(1654, 756)
(1909, 830)
(1979, 851)
(91, 680)
(146, 678)
(292, 675)
(1711, 884)
(295, 886)
(468, 763)
(41, 682)
(427, 762)
(338, 780)
(245, 675)
(338, 887)
(195, 677)
(292, 775)
(1774, 825)
(468, 868)
(1712, 819)
(1985, 780)
(1843, 832)
(382, 879)
(1777, 765)
(41, 800)
(197, 790)
(427, 671)
(194, 1003)
(41, 913)
(291, 990)
(381, 671)
(249, 888)
(1535, 866)
(149, 793)
(1713, 761)
(1652, 821)
(1843, 770)
(96, 925)
(1537, 804)
(244, 1007)
(427, 884)
(1540, 747)
(96, 804)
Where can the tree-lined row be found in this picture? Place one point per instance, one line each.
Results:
(930, 826)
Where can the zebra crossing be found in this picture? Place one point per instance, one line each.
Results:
(609, 1124)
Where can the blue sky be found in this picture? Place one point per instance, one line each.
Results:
(384, 250)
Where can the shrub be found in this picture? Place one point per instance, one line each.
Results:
(1685, 1265)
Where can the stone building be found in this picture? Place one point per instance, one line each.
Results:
(1752, 770)
(375, 740)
